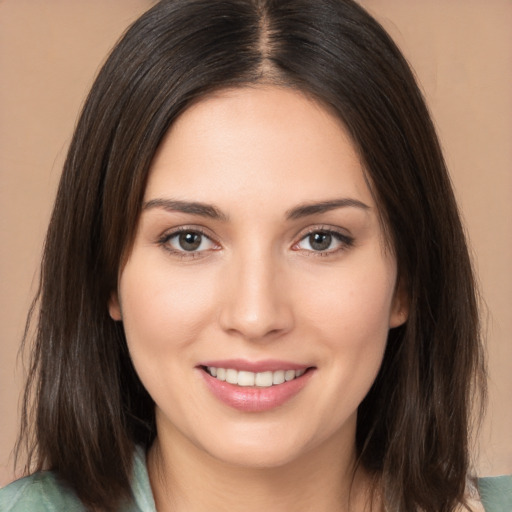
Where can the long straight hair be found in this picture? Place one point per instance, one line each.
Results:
(85, 408)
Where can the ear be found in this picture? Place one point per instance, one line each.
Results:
(399, 307)
(114, 307)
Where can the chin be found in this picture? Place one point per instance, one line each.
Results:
(257, 456)
(270, 446)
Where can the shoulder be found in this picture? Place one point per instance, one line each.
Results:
(496, 493)
(44, 492)
(40, 492)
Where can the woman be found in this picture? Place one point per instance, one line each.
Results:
(255, 277)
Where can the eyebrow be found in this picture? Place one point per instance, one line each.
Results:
(212, 212)
(191, 207)
(325, 206)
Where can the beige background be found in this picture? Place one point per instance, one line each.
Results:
(461, 50)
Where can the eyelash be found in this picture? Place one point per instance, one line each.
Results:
(345, 241)
(167, 237)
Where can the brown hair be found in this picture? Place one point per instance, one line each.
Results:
(89, 407)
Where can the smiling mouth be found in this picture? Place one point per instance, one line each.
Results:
(253, 379)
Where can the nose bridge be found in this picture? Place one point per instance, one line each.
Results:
(255, 305)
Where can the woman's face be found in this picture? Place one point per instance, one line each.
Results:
(259, 292)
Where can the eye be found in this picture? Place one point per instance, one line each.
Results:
(324, 241)
(187, 241)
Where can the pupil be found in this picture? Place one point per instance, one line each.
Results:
(320, 241)
(190, 241)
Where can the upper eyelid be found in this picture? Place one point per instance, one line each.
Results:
(345, 239)
(164, 241)
(343, 232)
(168, 233)
(303, 233)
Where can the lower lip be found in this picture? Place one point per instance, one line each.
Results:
(254, 399)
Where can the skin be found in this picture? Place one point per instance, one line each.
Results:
(258, 288)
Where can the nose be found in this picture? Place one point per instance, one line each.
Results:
(256, 305)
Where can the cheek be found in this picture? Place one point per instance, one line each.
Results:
(354, 304)
(351, 318)
(162, 311)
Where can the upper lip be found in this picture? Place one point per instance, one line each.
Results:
(267, 365)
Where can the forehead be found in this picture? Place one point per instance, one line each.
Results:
(264, 144)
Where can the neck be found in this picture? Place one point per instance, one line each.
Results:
(185, 478)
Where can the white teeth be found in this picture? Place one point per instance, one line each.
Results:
(278, 377)
(249, 379)
(263, 379)
(245, 379)
(289, 375)
(231, 376)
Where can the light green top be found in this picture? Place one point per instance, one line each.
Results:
(496, 493)
(42, 492)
